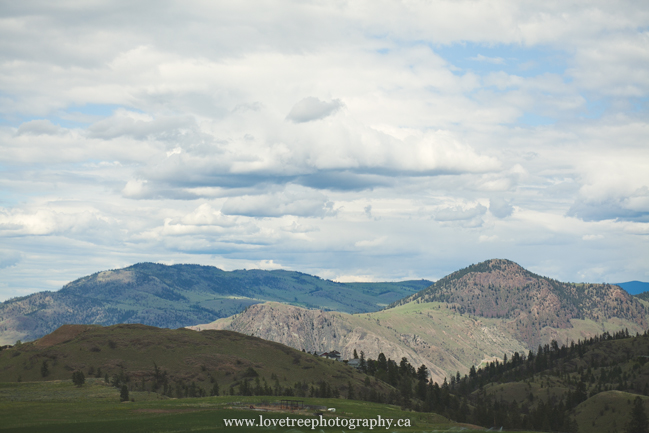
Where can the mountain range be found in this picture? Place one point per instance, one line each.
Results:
(635, 287)
(470, 317)
(465, 319)
(182, 295)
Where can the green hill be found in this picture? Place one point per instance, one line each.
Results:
(176, 363)
(183, 295)
(594, 382)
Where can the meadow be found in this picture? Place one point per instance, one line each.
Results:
(59, 406)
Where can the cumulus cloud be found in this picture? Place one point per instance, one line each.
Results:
(88, 224)
(206, 215)
(293, 201)
(140, 126)
(295, 227)
(216, 134)
(39, 127)
(467, 216)
(633, 208)
(311, 108)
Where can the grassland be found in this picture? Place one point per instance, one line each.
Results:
(59, 406)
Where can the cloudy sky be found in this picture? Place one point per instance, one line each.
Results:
(354, 140)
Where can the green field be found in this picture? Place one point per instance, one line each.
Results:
(59, 406)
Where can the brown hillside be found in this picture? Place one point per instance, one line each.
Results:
(503, 289)
(62, 335)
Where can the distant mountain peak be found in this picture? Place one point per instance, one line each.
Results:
(500, 288)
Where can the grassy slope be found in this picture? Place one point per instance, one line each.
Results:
(186, 355)
(607, 412)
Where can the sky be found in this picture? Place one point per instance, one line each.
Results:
(354, 140)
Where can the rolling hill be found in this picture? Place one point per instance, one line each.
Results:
(176, 363)
(182, 295)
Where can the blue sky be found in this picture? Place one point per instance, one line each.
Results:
(359, 141)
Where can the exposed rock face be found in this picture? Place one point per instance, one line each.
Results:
(441, 348)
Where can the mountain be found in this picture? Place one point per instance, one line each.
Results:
(176, 363)
(429, 334)
(529, 302)
(182, 295)
(470, 317)
(635, 287)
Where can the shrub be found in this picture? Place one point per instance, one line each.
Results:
(78, 378)
(123, 394)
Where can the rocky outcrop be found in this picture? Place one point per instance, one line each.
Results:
(444, 349)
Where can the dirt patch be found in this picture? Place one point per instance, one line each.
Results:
(63, 334)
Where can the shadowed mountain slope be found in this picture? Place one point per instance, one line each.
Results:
(182, 295)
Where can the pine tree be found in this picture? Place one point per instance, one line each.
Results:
(45, 371)
(123, 394)
(78, 378)
(638, 422)
(350, 391)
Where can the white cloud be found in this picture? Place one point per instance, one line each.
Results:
(310, 108)
(333, 139)
(39, 127)
(293, 201)
(295, 227)
(494, 60)
(371, 243)
(459, 213)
